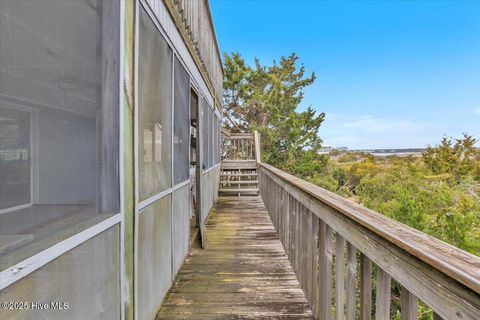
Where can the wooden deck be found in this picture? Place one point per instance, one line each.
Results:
(243, 273)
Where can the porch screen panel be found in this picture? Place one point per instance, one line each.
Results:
(59, 71)
(154, 110)
(209, 137)
(204, 138)
(181, 123)
(181, 225)
(154, 256)
(214, 145)
(219, 141)
(87, 277)
(216, 142)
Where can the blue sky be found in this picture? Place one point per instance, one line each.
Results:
(389, 74)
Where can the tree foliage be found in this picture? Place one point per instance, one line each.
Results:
(266, 98)
(457, 158)
(430, 193)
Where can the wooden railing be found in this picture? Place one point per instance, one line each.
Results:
(239, 146)
(336, 246)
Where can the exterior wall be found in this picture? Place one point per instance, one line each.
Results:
(162, 243)
(154, 256)
(194, 20)
(79, 274)
(210, 183)
(87, 278)
(132, 258)
(181, 226)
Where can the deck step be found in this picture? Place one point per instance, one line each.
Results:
(239, 182)
(241, 190)
(223, 174)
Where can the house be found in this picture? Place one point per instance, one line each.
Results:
(325, 149)
(110, 151)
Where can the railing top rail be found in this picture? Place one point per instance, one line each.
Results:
(240, 136)
(452, 261)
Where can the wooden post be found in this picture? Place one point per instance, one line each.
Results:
(408, 305)
(382, 301)
(325, 271)
(365, 288)
(257, 146)
(339, 277)
(351, 275)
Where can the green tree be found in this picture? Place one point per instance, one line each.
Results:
(457, 158)
(266, 98)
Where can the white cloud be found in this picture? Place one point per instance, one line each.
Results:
(477, 111)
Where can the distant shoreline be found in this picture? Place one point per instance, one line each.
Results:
(393, 152)
(388, 150)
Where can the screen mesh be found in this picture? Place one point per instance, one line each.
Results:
(59, 72)
(210, 131)
(154, 255)
(155, 110)
(181, 123)
(204, 128)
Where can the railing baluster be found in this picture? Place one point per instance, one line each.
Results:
(315, 231)
(293, 226)
(301, 222)
(298, 245)
(339, 277)
(365, 288)
(408, 305)
(325, 265)
(303, 237)
(382, 301)
(351, 277)
(286, 220)
(309, 280)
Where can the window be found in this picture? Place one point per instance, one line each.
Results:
(154, 110)
(217, 141)
(181, 123)
(214, 139)
(204, 139)
(210, 137)
(210, 141)
(58, 121)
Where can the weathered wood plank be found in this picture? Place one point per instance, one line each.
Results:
(382, 300)
(460, 265)
(257, 146)
(351, 276)
(408, 305)
(325, 268)
(365, 288)
(239, 164)
(315, 233)
(243, 273)
(437, 289)
(339, 277)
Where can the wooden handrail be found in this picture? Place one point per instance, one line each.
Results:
(444, 277)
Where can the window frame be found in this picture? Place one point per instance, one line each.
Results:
(34, 145)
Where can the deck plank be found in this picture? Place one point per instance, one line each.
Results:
(243, 273)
